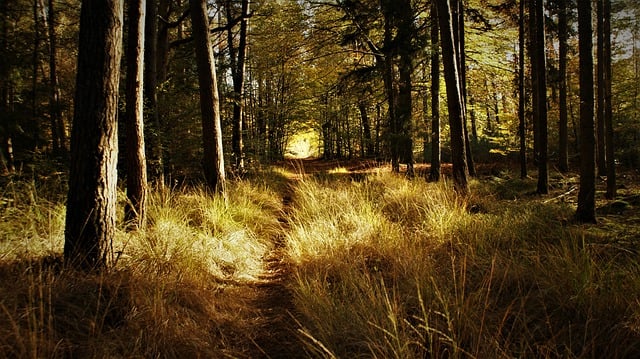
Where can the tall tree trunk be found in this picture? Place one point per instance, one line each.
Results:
(366, 128)
(434, 173)
(541, 90)
(152, 117)
(34, 76)
(6, 145)
(213, 161)
(165, 8)
(522, 128)
(390, 89)
(454, 98)
(586, 211)
(533, 44)
(237, 72)
(57, 122)
(563, 161)
(462, 61)
(600, 126)
(91, 201)
(404, 111)
(135, 208)
(608, 115)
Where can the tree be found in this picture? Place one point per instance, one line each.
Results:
(601, 145)
(586, 211)
(563, 147)
(58, 133)
(539, 71)
(521, 92)
(91, 201)
(454, 97)
(213, 157)
(434, 174)
(608, 107)
(154, 128)
(237, 74)
(134, 213)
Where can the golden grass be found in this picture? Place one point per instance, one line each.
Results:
(381, 267)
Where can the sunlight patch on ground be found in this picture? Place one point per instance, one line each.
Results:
(303, 144)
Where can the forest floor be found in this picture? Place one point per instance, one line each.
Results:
(311, 260)
(270, 299)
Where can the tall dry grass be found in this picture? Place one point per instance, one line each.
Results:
(390, 268)
(171, 292)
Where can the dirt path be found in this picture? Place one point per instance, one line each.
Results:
(270, 304)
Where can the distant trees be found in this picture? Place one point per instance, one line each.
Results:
(91, 201)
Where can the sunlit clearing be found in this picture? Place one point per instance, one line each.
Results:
(303, 144)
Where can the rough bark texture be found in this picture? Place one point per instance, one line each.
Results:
(586, 211)
(134, 213)
(454, 98)
(434, 174)
(213, 161)
(91, 201)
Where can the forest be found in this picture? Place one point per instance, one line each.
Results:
(319, 179)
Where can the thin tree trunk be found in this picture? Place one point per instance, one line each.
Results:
(152, 118)
(91, 201)
(404, 111)
(563, 162)
(454, 98)
(135, 208)
(57, 122)
(34, 76)
(366, 128)
(608, 115)
(586, 196)
(541, 90)
(600, 126)
(213, 161)
(522, 128)
(434, 173)
(237, 71)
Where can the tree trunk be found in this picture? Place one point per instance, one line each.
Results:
(91, 201)
(58, 132)
(237, 71)
(608, 115)
(135, 208)
(586, 211)
(34, 77)
(366, 128)
(563, 162)
(541, 90)
(454, 98)
(213, 161)
(405, 68)
(434, 173)
(522, 129)
(600, 126)
(152, 118)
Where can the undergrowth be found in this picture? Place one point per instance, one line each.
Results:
(390, 268)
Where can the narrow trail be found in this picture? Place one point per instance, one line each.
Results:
(270, 302)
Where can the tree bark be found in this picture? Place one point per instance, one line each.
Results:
(366, 128)
(152, 118)
(541, 90)
(586, 211)
(405, 68)
(213, 160)
(135, 208)
(91, 201)
(454, 98)
(237, 72)
(608, 111)
(563, 161)
(600, 126)
(522, 128)
(434, 173)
